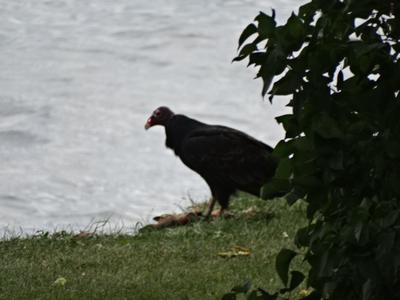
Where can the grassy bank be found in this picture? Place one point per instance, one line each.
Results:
(174, 263)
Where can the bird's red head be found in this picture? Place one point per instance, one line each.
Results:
(160, 116)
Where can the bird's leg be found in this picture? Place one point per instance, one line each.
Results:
(221, 212)
(210, 207)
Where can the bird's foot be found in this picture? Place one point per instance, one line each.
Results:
(206, 217)
(222, 213)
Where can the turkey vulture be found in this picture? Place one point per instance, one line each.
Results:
(226, 158)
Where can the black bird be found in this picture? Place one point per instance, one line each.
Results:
(226, 158)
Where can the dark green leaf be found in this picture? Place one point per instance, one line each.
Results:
(242, 288)
(326, 127)
(358, 230)
(283, 149)
(229, 296)
(239, 58)
(290, 125)
(266, 24)
(267, 80)
(245, 51)
(362, 49)
(247, 32)
(284, 169)
(303, 144)
(286, 85)
(307, 181)
(274, 64)
(302, 237)
(392, 148)
(307, 11)
(294, 195)
(367, 290)
(282, 263)
(295, 27)
(339, 83)
(295, 280)
(275, 188)
(387, 242)
(329, 288)
(390, 218)
(257, 58)
(336, 161)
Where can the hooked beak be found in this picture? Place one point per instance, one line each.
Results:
(148, 123)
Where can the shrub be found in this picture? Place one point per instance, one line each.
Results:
(339, 61)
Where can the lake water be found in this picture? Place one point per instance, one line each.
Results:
(78, 80)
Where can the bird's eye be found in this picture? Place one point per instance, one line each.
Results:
(158, 113)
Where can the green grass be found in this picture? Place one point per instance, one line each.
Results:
(173, 263)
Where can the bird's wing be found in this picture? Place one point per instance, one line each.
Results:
(228, 156)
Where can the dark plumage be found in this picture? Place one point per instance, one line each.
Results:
(227, 159)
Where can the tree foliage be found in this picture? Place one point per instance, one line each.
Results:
(339, 61)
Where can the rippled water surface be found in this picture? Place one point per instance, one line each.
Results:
(78, 80)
